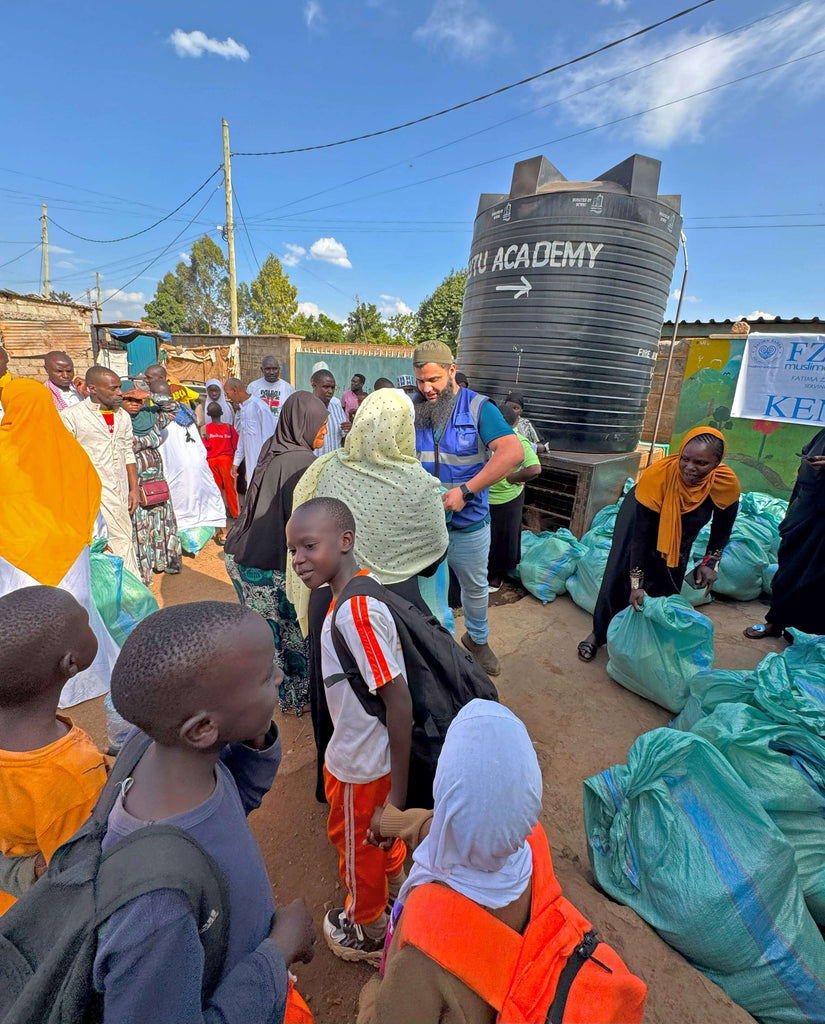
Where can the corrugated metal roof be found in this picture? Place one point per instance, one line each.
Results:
(37, 337)
(759, 320)
(7, 293)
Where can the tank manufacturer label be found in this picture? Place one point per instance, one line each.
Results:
(527, 255)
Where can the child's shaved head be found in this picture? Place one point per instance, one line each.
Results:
(332, 509)
(45, 638)
(175, 663)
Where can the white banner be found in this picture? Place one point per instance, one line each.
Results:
(782, 378)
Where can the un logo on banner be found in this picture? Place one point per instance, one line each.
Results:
(767, 351)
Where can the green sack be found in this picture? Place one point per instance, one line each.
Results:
(677, 836)
(107, 575)
(655, 652)
(547, 562)
(749, 552)
(790, 687)
(583, 586)
(709, 689)
(768, 574)
(194, 538)
(784, 767)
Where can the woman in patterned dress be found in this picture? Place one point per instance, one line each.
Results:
(154, 529)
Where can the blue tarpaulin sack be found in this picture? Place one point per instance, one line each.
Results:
(790, 687)
(655, 652)
(195, 537)
(749, 552)
(768, 574)
(784, 767)
(121, 598)
(677, 836)
(547, 562)
(711, 688)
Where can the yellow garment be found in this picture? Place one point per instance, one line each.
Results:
(662, 489)
(400, 527)
(49, 490)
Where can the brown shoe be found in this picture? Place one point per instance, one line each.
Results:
(483, 654)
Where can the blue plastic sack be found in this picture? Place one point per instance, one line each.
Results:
(784, 767)
(547, 562)
(194, 538)
(711, 688)
(655, 652)
(768, 574)
(677, 836)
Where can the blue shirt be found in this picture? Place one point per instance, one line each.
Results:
(149, 962)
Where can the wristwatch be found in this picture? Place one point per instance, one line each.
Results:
(466, 493)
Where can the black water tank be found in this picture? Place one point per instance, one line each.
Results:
(566, 291)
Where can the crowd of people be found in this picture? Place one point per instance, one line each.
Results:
(403, 485)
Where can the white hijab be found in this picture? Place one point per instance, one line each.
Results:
(227, 416)
(487, 801)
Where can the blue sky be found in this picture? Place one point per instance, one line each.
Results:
(112, 115)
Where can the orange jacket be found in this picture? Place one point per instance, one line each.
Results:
(556, 971)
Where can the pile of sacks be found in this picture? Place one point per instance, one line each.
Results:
(714, 831)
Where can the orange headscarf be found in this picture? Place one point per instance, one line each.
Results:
(49, 489)
(662, 489)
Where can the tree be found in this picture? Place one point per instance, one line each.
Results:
(194, 299)
(439, 315)
(273, 300)
(61, 296)
(364, 323)
(402, 328)
(168, 309)
(320, 328)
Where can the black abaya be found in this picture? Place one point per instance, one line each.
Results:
(635, 537)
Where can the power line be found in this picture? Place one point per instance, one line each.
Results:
(563, 138)
(20, 257)
(534, 110)
(125, 238)
(246, 229)
(152, 262)
(487, 95)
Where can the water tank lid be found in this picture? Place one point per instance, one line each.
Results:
(529, 176)
(490, 199)
(638, 174)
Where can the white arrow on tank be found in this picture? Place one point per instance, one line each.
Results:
(519, 289)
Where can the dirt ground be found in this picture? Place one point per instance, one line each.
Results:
(581, 722)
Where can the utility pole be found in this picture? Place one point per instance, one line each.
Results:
(45, 221)
(230, 233)
(99, 303)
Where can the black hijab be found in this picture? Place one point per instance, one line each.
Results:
(258, 538)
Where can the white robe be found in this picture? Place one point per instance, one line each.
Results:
(255, 425)
(94, 681)
(196, 500)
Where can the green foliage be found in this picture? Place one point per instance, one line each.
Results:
(402, 328)
(194, 299)
(273, 301)
(365, 323)
(320, 328)
(439, 315)
(60, 296)
(167, 310)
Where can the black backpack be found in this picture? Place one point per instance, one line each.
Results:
(48, 939)
(442, 678)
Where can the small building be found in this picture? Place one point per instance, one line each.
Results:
(31, 326)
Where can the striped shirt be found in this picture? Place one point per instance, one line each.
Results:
(359, 750)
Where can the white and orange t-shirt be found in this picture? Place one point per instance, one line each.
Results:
(359, 750)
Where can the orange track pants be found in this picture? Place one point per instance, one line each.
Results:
(222, 472)
(363, 869)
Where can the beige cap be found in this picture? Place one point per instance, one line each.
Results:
(432, 352)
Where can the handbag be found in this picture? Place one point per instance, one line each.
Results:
(153, 492)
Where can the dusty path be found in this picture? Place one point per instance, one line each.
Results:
(581, 722)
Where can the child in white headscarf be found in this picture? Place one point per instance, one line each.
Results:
(487, 796)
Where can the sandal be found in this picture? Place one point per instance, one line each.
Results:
(587, 650)
(761, 630)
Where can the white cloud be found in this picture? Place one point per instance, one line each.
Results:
(391, 304)
(789, 35)
(293, 255)
(328, 250)
(618, 4)
(312, 13)
(64, 264)
(674, 297)
(309, 308)
(185, 256)
(756, 314)
(57, 248)
(197, 43)
(459, 26)
(123, 305)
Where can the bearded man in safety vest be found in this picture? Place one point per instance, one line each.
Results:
(462, 438)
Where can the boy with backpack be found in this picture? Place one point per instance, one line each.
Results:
(160, 908)
(51, 772)
(393, 679)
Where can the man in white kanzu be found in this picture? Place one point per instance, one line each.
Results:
(104, 429)
(271, 388)
(253, 421)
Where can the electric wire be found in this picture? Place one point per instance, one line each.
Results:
(124, 238)
(37, 245)
(487, 95)
(246, 229)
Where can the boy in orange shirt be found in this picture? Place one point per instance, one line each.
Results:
(50, 770)
(221, 441)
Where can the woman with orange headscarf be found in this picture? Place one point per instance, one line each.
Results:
(657, 524)
(49, 501)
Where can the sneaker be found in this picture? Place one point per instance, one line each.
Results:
(483, 654)
(348, 941)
